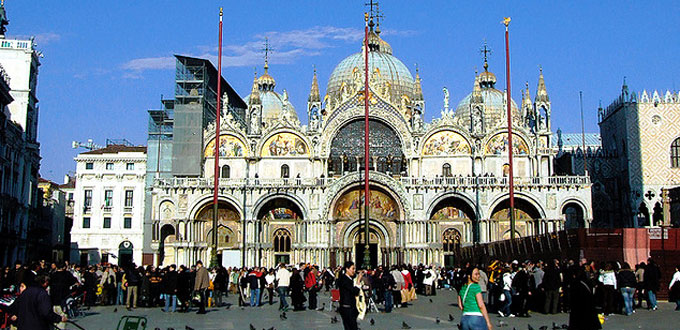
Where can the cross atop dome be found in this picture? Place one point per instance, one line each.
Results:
(267, 49)
(485, 51)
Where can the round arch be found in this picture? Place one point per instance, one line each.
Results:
(268, 201)
(231, 145)
(290, 136)
(207, 199)
(573, 215)
(494, 144)
(447, 136)
(578, 202)
(344, 117)
(226, 237)
(351, 230)
(374, 187)
(465, 201)
(527, 199)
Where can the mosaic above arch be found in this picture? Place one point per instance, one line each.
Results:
(450, 213)
(281, 213)
(284, 144)
(381, 206)
(445, 143)
(225, 212)
(230, 146)
(498, 145)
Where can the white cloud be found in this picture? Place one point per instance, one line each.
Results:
(288, 46)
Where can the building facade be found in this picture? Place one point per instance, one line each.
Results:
(53, 241)
(108, 211)
(639, 164)
(290, 192)
(19, 149)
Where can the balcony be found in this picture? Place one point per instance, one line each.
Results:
(407, 182)
(127, 209)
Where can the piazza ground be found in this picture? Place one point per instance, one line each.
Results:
(421, 315)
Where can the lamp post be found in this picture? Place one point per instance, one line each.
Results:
(216, 175)
(367, 252)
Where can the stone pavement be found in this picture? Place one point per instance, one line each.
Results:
(421, 315)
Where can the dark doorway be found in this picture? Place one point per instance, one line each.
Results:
(359, 257)
(449, 261)
(83, 259)
(125, 254)
(282, 259)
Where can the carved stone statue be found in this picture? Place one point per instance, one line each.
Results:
(476, 121)
(446, 99)
(314, 120)
(254, 122)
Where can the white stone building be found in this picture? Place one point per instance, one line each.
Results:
(290, 192)
(108, 209)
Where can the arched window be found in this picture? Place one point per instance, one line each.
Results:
(451, 240)
(446, 169)
(675, 153)
(285, 171)
(226, 171)
(282, 241)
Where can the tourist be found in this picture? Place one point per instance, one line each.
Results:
(520, 288)
(583, 315)
(184, 288)
(201, 284)
(32, 310)
(219, 285)
(608, 280)
(674, 288)
(254, 284)
(297, 286)
(283, 282)
(131, 282)
(269, 279)
(389, 286)
(652, 283)
(640, 284)
(398, 284)
(507, 294)
(311, 284)
(170, 280)
(625, 280)
(551, 287)
(348, 292)
(471, 303)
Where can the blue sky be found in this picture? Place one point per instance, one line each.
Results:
(107, 62)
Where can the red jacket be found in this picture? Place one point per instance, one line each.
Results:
(310, 280)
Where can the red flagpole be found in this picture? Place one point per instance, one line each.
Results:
(367, 256)
(217, 147)
(511, 174)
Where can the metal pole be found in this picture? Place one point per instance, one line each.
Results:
(511, 175)
(367, 253)
(243, 231)
(583, 136)
(213, 255)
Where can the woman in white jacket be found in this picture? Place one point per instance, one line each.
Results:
(674, 288)
(608, 279)
(507, 293)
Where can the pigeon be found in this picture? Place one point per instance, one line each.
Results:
(530, 327)
(502, 324)
(430, 301)
(437, 320)
(555, 326)
(565, 326)
(186, 327)
(272, 328)
(545, 327)
(228, 306)
(157, 329)
(334, 319)
(404, 325)
(372, 321)
(323, 306)
(451, 318)
(459, 326)
(283, 316)
(252, 327)
(115, 310)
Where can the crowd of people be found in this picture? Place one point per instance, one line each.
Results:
(584, 289)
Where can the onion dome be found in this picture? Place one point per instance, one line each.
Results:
(493, 100)
(273, 103)
(266, 81)
(380, 59)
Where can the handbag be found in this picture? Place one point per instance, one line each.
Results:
(405, 296)
(412, 294)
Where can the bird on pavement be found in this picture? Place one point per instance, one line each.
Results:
(544, 327)
(323, 306)
(186, 327)
(437, 320)
(283, 316)
(334, 319)
(372, 321)
(502, 324)
(430, 301)
(252, 327)
(404, 325)
(530, 327)
(115, 310)
(451, 318)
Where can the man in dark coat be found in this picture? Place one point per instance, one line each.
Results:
(652, 283)
(32, 310)
(582, 315)
(348, 293)
(184, 288)
(60, 286)
(169, 288)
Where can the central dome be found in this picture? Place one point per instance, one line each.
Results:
(380, 57)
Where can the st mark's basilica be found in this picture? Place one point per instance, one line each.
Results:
(291, 192)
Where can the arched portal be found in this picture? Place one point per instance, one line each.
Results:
(167, 253)
(200, 230)
(280, 209)
(573, 216)
(452, 209)
(524, 212)
(350, 205)
(451, 239)
(378, 239)
(125, 249)
(282, 241)
(384, 146)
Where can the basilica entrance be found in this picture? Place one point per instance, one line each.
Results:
(360, 249)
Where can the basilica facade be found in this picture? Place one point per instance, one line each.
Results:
(292, 192)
